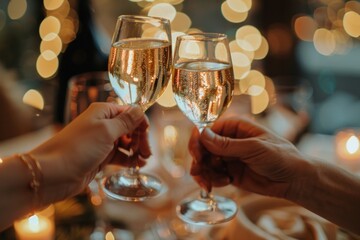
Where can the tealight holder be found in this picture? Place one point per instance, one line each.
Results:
(347, 148)
(39, 226)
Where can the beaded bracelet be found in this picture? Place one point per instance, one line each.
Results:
(36, 176)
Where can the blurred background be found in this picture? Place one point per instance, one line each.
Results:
(300, 55)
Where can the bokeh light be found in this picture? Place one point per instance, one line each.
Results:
(241, 64)
(164, 10)
(240, 5)
(324, 41)
(352, 24)
(181, 22)
(52, 4)
(167, 98)
(305, 27)
(47, 64)
(248, 38)
(49, 25)
(231, 15)
(17, 8)
(34, 98)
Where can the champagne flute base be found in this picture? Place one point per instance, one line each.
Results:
(207, 211)
(132, 188)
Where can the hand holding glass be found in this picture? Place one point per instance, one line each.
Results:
(139, 70)
(203, 85)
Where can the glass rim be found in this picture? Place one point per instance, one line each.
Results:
(140, 18)
(210, 36)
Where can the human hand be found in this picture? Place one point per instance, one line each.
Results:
(71, 159)
(245, 154)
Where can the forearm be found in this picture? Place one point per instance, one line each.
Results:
(330, 192)
(17, 198)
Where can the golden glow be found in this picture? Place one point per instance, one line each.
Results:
(63, 10)
(305, 28)
(46, 64)
(16, 9)
(221, 52)
(259, 103)
(181, 22)
(240, 5)
(253, 83)
(231, 15)
(49, 25)
(343, 41)
(263, 50)
(174, 36)
(109, 236)
(150, 32)
(352, 5)
(248, 38)
(68, 31)
(52, 4)
(164, 10)
(191, 50)
(167, 98)
(241, 64)
(352, 145)
(234, 47)
(53, 44)
(33, 98)
(34, 225)
(352, 24)
(194, 30)
(324, 41)
(348, 146)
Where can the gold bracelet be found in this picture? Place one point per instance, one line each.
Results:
(36, 177)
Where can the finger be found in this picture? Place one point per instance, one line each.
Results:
(238, 127)
(144, 146)
(229, 147)
(126, 122)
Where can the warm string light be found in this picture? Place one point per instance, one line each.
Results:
(332, 27)
(57, 29)
(249, 45)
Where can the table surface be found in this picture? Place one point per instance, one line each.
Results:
(159, 212)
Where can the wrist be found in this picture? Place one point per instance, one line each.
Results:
(51, 188)
(302, 184)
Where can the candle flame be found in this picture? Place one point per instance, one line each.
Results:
(109, 236)
(34, 223)
(352, 144)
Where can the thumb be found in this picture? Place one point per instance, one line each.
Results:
(127, 121)
(225, 146)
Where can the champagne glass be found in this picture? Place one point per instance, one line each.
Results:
(203, 85)
(139, 69)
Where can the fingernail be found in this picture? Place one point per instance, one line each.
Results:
(136, 113)
(209, 134)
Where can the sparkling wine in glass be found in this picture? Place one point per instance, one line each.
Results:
(139, 67)
(203, 85)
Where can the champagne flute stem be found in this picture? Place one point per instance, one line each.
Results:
(206, 195)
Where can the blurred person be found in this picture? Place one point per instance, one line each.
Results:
(65, 164)
(245, 154)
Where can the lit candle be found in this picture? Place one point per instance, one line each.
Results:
(348, 149)
(36, 227)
